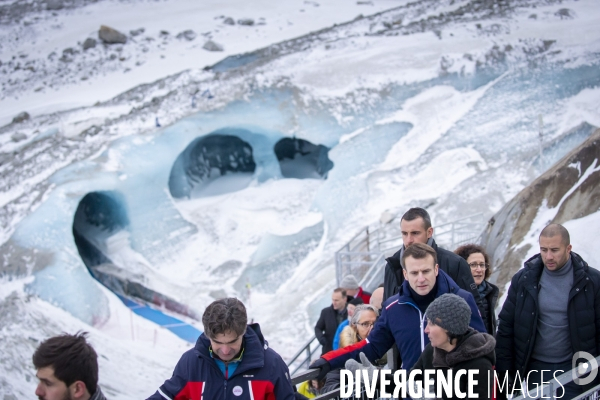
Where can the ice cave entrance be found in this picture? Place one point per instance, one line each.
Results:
(212, 165)
(98, 222)
(302, 159)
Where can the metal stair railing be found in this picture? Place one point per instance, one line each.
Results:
(306, 349)
(363, 251)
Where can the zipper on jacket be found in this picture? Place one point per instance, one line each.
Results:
(422, 318)
(421, 323)
(225, 389)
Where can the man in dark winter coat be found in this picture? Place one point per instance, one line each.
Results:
(231, 360)
(330, 318)
(552, 311)
(402, 321)
(67, 367)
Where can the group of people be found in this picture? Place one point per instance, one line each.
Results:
(439, 313)
(434, 310)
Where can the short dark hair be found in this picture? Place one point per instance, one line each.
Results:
(418, 251)
(466, 250)
(71, 357)
(557, 229)
(224, 315)
(340, 290)
(417, 212)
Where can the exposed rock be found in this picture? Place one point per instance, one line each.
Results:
(22, 116)
(110, 36)
(188, 34)
(212, 46)
(89, 43)
(565, 13)
(18, 137)
(137, 32)
(229, 21)
(69, 51)
(558, 188)
(246, 21)
(54, 5)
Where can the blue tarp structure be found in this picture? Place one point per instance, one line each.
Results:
(182, 329)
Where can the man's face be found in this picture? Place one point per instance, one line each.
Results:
(351, 308)
(414, 232)
(338, 301)
(227, 345)
(50, 387)
(421, 274)
(351, 292)
(554, 252)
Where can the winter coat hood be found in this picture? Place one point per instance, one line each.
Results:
(348, 337)
(473, 345)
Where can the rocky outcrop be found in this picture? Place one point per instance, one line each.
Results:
(22, 116)
(89, 43)
(110, 35)
(246, 21)
(569, 190)
(212, 46)
(188, 34)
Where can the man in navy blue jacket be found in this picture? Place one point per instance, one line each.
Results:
(231, 360)
(403, 318)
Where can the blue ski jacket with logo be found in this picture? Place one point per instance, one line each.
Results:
(260, 375)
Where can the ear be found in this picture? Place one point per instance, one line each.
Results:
(429, 232)
(436, 269)
(405, 274)
(569, 247)
(79, 390)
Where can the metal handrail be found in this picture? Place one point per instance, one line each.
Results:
(305, 376)
(305, 349)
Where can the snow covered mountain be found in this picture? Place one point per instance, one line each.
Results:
(244, 178)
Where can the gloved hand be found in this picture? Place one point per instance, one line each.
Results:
(353, 365)
(322, 365)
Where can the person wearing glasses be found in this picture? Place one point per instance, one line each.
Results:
(479, 262)
(231, 360)
(361, 324)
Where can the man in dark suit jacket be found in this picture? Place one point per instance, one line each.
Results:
(330, 318)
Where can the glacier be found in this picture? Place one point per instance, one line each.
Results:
(453, 105)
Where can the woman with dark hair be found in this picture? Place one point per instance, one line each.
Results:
(454, 345)
(479, 262)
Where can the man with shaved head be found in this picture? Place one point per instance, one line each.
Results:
(552, 312)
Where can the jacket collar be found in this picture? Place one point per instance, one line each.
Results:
(534, 267)
(445, 284)
(254, 349)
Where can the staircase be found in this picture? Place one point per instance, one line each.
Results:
(364, 257)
